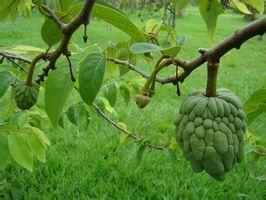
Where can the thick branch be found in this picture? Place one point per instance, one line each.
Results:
(214, 54)
(68, 31)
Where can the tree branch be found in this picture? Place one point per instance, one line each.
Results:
(14, 57)
(67, 31)
(51, 14)
(214, 54)
(136, 138)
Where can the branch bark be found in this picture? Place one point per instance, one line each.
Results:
(213, 55)
(67, 31)
(14, 57)
(135, 137)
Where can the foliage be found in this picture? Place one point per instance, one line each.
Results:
(21, 139)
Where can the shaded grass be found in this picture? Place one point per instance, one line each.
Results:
(88, 165)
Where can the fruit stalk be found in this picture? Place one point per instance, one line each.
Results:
(32, 67)
(212, 79)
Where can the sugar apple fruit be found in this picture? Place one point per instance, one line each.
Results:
(26, 96)
(210, 131)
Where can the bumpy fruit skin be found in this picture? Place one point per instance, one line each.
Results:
(210, 131)
(26, 96)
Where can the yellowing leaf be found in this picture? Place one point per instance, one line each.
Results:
(20, 150)
(240, 6)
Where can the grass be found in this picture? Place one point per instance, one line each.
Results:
(87, 165)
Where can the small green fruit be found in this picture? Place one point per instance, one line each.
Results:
(142, 100)
(26, 96)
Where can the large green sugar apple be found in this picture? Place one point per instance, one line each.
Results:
(26, 96)
(210, 131)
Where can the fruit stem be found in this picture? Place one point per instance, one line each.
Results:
(159, 65)
(32, 67)
(212, 79)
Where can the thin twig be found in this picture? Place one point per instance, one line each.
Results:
(53, 16)
(14, 56)
(134, 136)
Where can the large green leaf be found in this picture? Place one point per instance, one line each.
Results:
(4, 151)
(119, 20)
(209, 11)
(91, 74)
(6, 79)
(57, 89)
(255, 105)
(50, 32)
(20, 150)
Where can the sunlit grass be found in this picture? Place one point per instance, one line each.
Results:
(88, 165)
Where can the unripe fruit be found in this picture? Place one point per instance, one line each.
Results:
(26, 96)
(142, 100)
(210, 131)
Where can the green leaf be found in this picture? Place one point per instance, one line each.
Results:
(91, 74)
(171, 51)
(257, 4)
(50, 32)
(107, 105)
(153, 26)
(41, 136)
(251, 104)
(110, 94)
(6, 79)
(7, 7)
(20, 150)
(78, 115)
(125, 91)
(37, 148)
(57, 89)
(19, 119)
(142, 47)
(240, 6)
(138, 48)
(255, 105)
(62, 5)
(209, 11)
(119, 20)
(4, 151)
(261, 109)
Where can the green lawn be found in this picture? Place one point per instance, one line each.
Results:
(85, 165)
